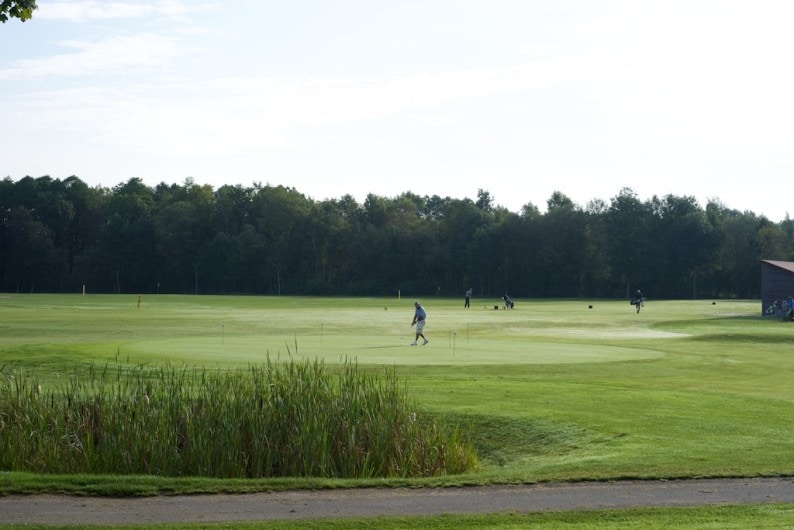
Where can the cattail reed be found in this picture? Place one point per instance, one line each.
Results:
(274, 420)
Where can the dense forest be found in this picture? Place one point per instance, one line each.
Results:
(60, 235)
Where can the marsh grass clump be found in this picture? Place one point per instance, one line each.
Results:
(274, 420)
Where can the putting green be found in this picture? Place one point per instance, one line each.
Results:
(382, 350)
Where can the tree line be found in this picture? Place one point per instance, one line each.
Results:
(60, 235)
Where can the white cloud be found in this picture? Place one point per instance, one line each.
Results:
(83, 11)
(114, 54)
(233, 115)
(320, 101)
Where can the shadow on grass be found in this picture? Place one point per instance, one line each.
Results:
(500, 441)
(749, 338)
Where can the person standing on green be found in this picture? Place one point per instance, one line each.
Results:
(467, 304)
(420, 316)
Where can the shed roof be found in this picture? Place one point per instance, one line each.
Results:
(785, 265)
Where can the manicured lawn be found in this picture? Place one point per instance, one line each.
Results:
(551, 391)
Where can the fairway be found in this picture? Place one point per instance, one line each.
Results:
(229, 330)
(552, 390)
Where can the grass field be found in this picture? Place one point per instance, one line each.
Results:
(554, 390)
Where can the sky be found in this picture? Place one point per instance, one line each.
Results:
(518, 98)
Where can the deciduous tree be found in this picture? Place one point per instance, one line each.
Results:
(21, 9)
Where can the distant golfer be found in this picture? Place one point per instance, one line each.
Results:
(638, 300)
(420, 316)
(467, 303)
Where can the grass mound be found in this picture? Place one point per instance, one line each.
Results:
(274, 420)
(501, 440)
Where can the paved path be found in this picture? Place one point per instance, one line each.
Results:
(65, 510)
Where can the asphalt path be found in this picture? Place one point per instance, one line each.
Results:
(339, 503)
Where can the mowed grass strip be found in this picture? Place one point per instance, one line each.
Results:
(721, 517)
(552, 390)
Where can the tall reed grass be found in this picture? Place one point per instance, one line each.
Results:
(274, 420)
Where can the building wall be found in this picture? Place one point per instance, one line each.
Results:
(776, 284)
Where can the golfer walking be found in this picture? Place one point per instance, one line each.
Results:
(420, 316)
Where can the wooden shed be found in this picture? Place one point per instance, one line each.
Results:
(777, 283)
